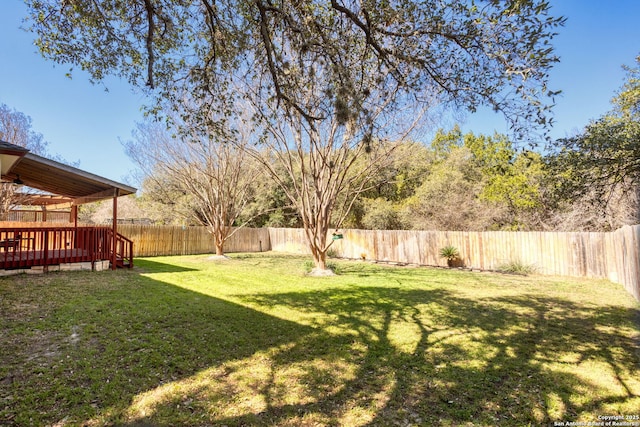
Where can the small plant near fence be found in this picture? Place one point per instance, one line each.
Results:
(451, 254)
(517, 267)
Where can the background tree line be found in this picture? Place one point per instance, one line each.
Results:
(329, 88)
(588, 182)
(457, 181)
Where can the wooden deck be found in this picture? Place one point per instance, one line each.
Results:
(24, 247)
(21, 259)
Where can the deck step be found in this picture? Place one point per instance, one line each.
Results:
(120, 263)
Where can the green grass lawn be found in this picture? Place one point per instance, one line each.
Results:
(253, 341)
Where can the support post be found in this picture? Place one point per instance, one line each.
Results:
(114, 257)
(73, 215)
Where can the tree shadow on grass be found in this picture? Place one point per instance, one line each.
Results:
(101, 340)
(141, 352)
(430, 357)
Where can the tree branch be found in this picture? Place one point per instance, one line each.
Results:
(151, 27)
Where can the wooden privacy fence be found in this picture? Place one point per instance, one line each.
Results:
(612, 255)
(607, 255)
(158, 240)
(36, 217)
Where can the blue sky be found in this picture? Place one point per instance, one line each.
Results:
(82, 122)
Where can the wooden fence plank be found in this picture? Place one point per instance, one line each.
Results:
(157, 240)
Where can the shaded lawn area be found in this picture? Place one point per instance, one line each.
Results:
(252, 341)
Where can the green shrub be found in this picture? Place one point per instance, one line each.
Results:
(517, 267)
(308, 265)
(450, 253)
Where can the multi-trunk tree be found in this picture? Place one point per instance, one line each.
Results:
(206, 180)
(322, 75)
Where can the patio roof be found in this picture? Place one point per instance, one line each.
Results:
(60, 179)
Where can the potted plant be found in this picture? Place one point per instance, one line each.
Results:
(451, 254)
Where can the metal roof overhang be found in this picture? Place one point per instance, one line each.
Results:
(64, 180)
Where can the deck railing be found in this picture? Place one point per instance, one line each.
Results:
(25, 247)
(123, 250)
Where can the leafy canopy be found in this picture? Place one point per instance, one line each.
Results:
(461, 53)
(604, 157)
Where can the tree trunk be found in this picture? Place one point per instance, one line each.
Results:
(316, 238)
(219, 238)
(320, 259)
(219, 248)
(317, 243)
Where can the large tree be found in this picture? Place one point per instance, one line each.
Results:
(206, 180)
(326, 165)
(323, 75)
(494, 53)
(601, 165)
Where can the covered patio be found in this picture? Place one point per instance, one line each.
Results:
(43, 245)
